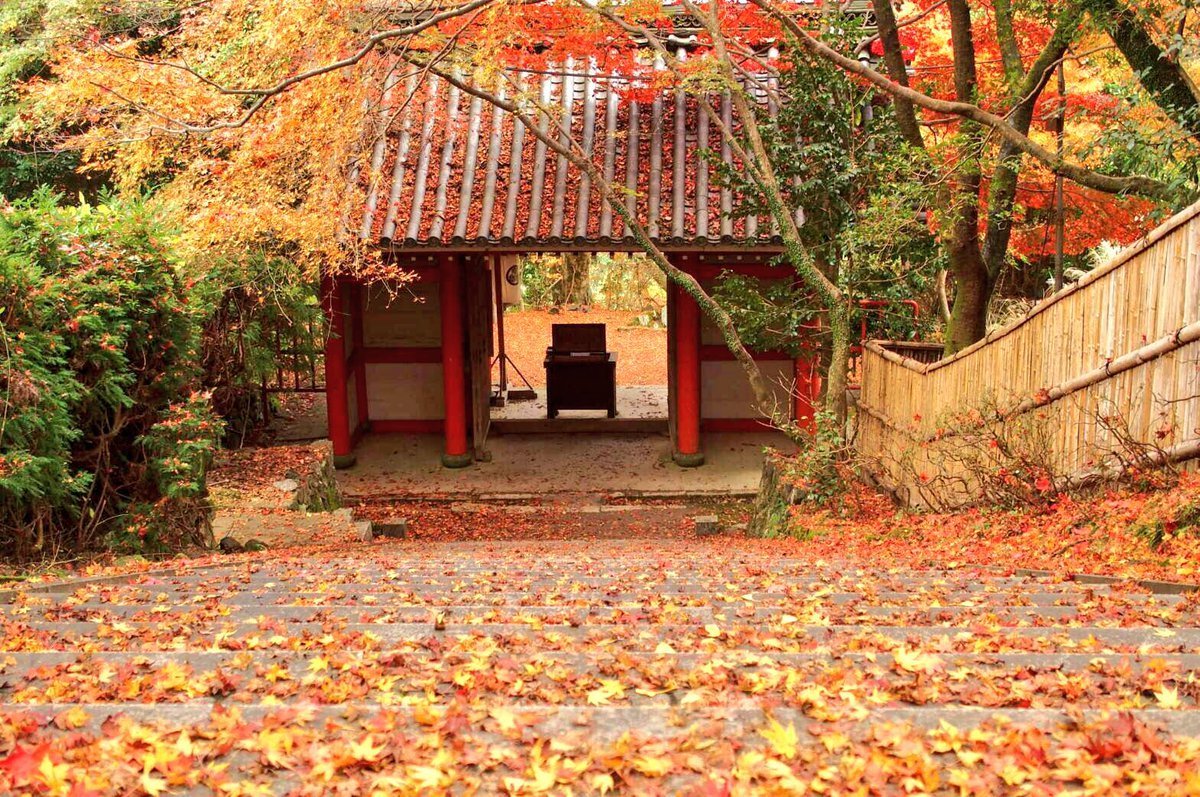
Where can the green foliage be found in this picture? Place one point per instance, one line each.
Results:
(621, 282)
(770, 315)
(817, 470)
(261, 317)
(1154, 530)
(99, 341)
(863, 192)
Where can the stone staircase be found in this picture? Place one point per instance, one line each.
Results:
(646, 666)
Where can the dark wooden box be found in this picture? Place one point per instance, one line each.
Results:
(580, 374)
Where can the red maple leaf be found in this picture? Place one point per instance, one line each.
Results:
(23, 761)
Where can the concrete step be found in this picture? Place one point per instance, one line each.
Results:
(365, 595)
(568, 425)
(954, 616)
(794, 637)
(20, 664)
(607, 723)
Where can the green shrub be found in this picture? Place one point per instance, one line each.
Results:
(262, 319)
(99, 346)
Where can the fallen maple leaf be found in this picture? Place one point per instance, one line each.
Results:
(784, 741)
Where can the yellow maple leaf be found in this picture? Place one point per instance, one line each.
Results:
(152, 784)
(784, 741)
(366, 750)
(713, 630)
(653, 766)
(72, 718)
(609, 689)
(603, 783)
(1168, 697)
(504, 718)
(911, 660)
(53, 775)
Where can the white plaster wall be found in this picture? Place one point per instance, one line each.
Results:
(709, 334)
(725, 393)
(410, 317)
(405, 391)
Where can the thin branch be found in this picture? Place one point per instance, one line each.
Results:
(558, 138)
(264, 94)
(1110, 184)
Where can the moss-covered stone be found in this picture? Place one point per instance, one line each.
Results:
(318, 488)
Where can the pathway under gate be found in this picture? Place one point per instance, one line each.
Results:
(546, 465)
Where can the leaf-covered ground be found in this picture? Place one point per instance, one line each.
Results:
(1126, 533)
(600, 651)
(641, 351)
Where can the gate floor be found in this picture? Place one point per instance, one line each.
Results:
(548, 464)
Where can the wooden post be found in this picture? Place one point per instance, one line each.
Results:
(501, 355)
(336, 399)
(454, 385)
(360, 363)
(687, 452)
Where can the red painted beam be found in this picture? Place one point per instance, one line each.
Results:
(336, 398)
(402, 354)
(808, 388)
(454, 383)
(687, 373)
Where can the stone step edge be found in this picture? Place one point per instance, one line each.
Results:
(748, 658)
(1183, 722)
(412, 497)
(8, 595)
(1156, 586)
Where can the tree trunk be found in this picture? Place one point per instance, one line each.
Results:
(972, 293)
(1161, 74)
(574, 287)
(897, 67)
(839, 365)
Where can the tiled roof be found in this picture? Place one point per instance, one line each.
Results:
(451, 171)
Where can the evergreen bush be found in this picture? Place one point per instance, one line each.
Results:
(102, 436)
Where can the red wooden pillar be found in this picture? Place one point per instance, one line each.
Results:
(454, 385)
(360, 365)
(336, 398)
(808, 386)
(687, 452)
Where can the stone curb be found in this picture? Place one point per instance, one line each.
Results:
(1155, 586)
(71, 584)
(352, 499)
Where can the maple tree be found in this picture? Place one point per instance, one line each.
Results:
(988, 65)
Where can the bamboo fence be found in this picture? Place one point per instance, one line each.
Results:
(1101, 374)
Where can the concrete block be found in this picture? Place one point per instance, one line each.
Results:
(394, 528)
(365, 530)
(707, 525)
